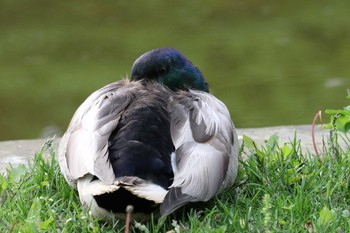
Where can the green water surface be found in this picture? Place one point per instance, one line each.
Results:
(271, 62)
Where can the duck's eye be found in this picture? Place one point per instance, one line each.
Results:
(163, 70)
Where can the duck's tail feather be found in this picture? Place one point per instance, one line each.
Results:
(174, 200)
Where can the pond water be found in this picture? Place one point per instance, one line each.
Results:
(271, 63)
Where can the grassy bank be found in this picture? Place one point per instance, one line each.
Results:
(279, 189)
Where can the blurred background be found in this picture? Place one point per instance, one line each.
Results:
(271, 62)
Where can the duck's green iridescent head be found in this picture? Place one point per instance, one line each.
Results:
(169, 67)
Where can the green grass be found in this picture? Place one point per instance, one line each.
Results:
(279, 189)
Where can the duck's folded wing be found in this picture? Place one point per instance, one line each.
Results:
(203, 135)
(84, 147)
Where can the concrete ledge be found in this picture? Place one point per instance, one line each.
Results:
(21, 151)
(18, 152)
(287, 133)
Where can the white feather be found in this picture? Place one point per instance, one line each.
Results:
(148, 191)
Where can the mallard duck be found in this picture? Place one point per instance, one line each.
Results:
(156, 141)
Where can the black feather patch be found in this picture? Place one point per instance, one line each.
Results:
(119, 200)
(141, 146)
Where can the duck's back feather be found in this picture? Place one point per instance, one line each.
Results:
(141, 143)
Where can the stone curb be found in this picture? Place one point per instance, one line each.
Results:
(21, 151)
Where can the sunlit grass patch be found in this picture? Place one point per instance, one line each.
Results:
(289, 191)
(278, 189)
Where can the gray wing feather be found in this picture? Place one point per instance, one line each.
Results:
(206, 149)
(84, 147)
